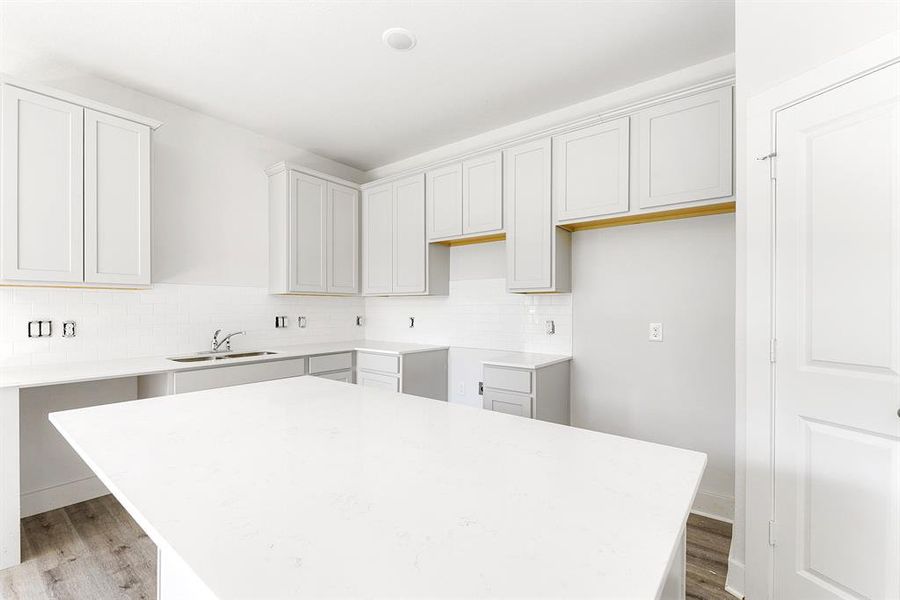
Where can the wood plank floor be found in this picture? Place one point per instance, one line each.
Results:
(94, 550)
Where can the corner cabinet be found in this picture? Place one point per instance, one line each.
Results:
(538, 254)
(313, 233)
(396, 258)
(75, 195)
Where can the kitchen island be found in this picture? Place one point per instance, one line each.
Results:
(306, 487)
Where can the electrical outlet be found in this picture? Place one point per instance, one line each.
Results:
(460, 388)
(280, 322)
(481, 388)
(655, 332)
(69, 329)
(412, 322)
(301, 322)
(550, 327)
(40, 329)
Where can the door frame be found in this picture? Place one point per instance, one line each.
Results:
(759, 252)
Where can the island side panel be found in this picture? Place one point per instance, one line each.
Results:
(10, 548)
(175, 581)
(425, 374)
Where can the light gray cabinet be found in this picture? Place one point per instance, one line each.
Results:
(396, 259)
(537, 393)
(313, 232)
(217, 377)
(683, 150)
(465, 199)
(538, 255)
(590, 171)
(418, 373)
(444, 202)
(75, 197)
(337, 366)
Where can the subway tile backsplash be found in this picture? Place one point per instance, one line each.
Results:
(171, 319)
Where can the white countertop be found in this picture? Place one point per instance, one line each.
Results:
(525, 360)
(305, 487)
(54, 374)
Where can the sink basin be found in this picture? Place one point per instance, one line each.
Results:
(208, 357)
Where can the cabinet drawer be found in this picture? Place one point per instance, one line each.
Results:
(217, 377)
(384, 382)
(516, 380)
(345, 376)
(330, 362)
(511, 404)
(378, 362)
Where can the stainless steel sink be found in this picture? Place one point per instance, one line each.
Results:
(208, 357)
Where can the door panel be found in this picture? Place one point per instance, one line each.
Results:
(308, 221)
(342, 237)
(526, 189)
(590, 171)
(444, 199)
(378, 236)
(837, 431)
(409, 235)
(42, 196)
(116, 200)
(483, 194)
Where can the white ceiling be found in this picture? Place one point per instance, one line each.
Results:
(317, 75)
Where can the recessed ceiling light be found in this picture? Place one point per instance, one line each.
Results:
(398, 38)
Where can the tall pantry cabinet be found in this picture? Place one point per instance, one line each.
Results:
(75, 191)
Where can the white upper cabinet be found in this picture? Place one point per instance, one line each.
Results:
(313, 232)
(482, 197)
(409, 235)
(116, 200)
(75, 196)
(444, 201)
(308, 215)
(42, 196)
(343, 239)
(590, 171)
(396, 258)
(378, 239)
(537, 252)
(684, 150)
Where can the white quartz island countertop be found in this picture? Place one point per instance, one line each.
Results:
(304, 487)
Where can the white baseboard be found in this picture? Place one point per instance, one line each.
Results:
(734, 582)
(714, 506)
(38, 501)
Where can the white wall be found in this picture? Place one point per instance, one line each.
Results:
(210, 210)
(777, 40)
(680, 391)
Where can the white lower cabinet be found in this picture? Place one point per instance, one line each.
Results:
(418, 373)
(217, 377)
(536, 393)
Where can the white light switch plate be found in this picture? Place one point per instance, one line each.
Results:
(655, 332)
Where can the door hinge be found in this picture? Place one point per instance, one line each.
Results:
(771, 533)
(772, 350)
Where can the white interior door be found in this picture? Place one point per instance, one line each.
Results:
(308, 216)
(42, 199)
(343, 233)
(116, 200)
(409, 235)
(837, 395)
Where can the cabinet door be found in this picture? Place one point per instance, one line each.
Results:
(308, 216)
(378, 239)
(42, 195)
(444, 199)
(409, 235)
(590, 171)
(529, 229)
(116, 200)
(384, 382)
(511, 404)
(684, 150)
(342, 236)
(483, 194)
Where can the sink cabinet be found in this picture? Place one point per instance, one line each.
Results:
(75, 197)
(313, 233)
(181, 382)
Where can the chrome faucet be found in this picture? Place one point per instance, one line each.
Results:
(217, 343)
